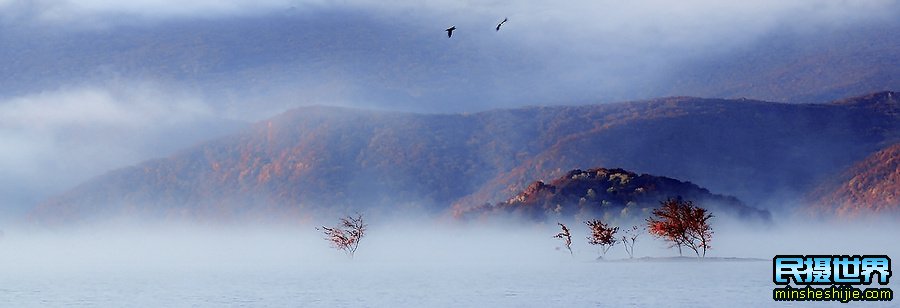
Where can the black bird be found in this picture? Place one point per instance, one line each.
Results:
(501, 23)
(450, 31)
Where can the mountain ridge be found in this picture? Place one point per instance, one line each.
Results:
(338, 159)
(871, 187)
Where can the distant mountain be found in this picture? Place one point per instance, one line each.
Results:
(612, 195)
(870, 187)
(887, 103)
(316, 159)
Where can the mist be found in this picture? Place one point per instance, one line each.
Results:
(138, 245)
(402, 261)
(53, 140)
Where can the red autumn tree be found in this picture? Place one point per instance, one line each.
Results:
(681, 223)
(346, 236)
(566, 236)
(601, 234)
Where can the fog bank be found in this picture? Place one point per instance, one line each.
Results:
(187, 248)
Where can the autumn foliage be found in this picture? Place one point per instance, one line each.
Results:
(346, 236)
(566, 236)
(682, 224)
(601, 234)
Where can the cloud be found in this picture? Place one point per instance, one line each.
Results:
(549, 52)
(682, 18)
(52, 140)
(97, 107)
(79, 11)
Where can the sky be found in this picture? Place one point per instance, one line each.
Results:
(90, 86)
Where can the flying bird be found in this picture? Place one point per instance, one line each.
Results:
(501, 23)
(450, 31)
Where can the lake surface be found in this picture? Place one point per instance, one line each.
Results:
(363, 284)
(398, 266)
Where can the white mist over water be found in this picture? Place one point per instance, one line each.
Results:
(399, 264)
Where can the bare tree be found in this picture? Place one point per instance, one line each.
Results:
(346, 236)
(601, 234)
(631, 235)
(682, 224)
(566, 236)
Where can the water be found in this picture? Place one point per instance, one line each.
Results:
(362, 284)
(395, 267)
